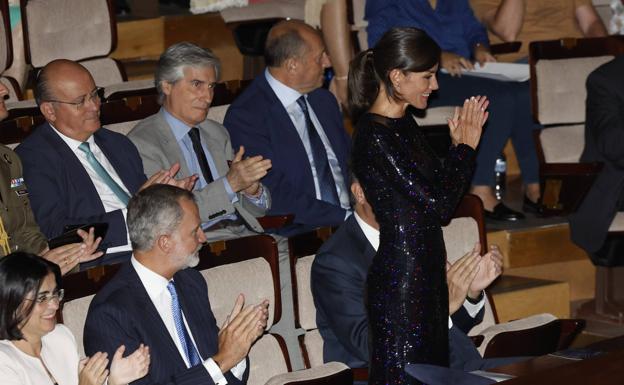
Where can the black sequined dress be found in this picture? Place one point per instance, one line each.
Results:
(412, 194)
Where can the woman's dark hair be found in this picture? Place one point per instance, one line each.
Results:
(20, 274)
(406, 49)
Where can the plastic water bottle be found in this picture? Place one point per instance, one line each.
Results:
(500, 170)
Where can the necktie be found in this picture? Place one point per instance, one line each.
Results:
(324, 175)
(103, 174)
(199, 153)
(185, 339)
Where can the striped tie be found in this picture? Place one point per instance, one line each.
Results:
(185, 339)
(103, 174)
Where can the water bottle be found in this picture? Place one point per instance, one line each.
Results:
(500, 170)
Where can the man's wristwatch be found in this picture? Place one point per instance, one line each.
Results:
(475, 301)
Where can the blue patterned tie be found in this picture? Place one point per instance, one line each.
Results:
(185, 339)
(324, 175)
(103, 174)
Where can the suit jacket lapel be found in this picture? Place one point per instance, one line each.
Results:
(289, 135)
(78, 176)
(148, 311)
(194, 315)
(215, 147)
(170, 146)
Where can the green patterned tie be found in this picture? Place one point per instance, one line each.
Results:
(102, 173)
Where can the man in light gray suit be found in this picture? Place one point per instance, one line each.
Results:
(228, 189)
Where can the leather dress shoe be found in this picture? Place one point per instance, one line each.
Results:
(528, 206)
(503, 213)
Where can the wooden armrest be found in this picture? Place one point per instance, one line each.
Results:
(536, 341)
(360, 374)
(502, 48)
(275, 221)
(477, 340)
(570, 328)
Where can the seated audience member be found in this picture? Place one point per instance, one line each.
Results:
(285, 116)
(452, 25)
(34, 349)
(527, 21)
(338, 284)
(604, 135)
(18, 229)
(331, 17)
(77, 172)
(156, 298)
(228, 192)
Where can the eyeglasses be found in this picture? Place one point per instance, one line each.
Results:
(96, 96)
(47, 297)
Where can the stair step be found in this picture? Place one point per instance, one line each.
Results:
(518, 297)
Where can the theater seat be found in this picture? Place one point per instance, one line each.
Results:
(559, 69)
(250, 266)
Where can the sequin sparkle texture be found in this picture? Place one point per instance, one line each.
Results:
(412, 194)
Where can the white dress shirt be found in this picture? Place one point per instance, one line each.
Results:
(288, 97)
(58, 351)
(156, 287)
(372, 234)
(110, 201)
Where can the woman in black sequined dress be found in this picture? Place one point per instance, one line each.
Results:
(412, 193)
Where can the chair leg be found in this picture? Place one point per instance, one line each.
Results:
(609, 302)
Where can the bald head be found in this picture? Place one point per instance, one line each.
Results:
(287, 39)
(67, 97)
(54, 74)
(295, 55)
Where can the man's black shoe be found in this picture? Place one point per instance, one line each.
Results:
(503, 213)
(528, 206)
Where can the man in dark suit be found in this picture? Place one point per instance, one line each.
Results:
(338, 284)
(158, 300)
(285, 116)
(604, 135)
(77, 172)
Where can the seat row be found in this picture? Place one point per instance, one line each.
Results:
(250, 266)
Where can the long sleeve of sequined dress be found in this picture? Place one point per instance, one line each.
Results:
(412, 193)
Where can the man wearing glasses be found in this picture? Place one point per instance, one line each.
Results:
(77, 172)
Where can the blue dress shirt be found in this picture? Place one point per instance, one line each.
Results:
(288, 97)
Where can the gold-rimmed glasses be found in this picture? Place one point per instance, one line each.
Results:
(96, 96)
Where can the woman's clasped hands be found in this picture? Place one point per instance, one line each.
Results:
(467, 122)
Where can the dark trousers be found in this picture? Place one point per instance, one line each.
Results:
(510, 117)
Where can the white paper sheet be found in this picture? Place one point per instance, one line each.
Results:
(507, 72)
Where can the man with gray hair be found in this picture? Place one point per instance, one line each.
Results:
(157, 300)
(228, 192)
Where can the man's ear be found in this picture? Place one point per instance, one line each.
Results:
(164, 243)
(48, 111)
(291, 65)
(166, 87)
(358, 193)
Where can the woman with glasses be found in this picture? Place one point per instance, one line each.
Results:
(34, 349)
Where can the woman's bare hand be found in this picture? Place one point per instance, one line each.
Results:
(467, 123)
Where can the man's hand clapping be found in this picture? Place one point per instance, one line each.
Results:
(241, 328)
(245, 174)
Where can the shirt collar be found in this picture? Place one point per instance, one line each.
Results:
(371, 233)
(73, 143)
(154, 283)
(178, 127)
(285, 94)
